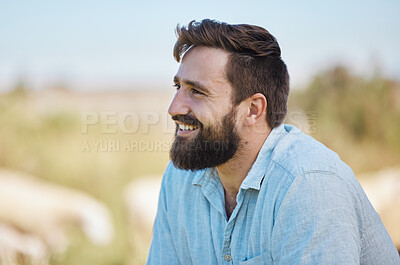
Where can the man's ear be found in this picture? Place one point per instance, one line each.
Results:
(257, 108)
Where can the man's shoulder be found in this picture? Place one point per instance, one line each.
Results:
(300, 154)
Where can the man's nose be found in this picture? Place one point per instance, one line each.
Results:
(179, 105)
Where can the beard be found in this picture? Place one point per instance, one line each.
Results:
(211, 147)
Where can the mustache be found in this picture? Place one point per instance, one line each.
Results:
(187, 119)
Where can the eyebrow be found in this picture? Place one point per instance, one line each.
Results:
(192, 83)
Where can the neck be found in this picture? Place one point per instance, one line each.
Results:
(233, 172)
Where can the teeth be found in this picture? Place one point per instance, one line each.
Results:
(187, 127)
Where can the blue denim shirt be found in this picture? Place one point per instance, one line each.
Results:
(299, 204)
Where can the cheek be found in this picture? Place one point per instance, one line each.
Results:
(208, 112)
(209, 118)
(201, 111)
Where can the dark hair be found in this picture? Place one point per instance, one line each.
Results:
(254, 65)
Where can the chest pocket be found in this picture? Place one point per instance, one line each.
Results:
(263, 259)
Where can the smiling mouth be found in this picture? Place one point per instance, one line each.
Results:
(187, 127)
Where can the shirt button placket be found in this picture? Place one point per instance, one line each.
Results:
(227, 242)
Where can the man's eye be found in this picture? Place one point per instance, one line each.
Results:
(177, 86)
(195, 91)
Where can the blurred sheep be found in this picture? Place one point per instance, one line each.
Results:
(34, 216)
(141, 200)
(383, 191)
(16, 245)
(382, 187)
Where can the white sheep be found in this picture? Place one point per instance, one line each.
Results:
(141, 200)
(382, 187)
(15, 243)
(35, 214)
(383, 191)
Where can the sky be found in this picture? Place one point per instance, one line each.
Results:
(97, 45)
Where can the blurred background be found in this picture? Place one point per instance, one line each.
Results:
(84, 130)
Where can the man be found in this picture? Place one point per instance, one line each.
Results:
(243, 188)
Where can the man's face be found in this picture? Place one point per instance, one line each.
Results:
(202, 109)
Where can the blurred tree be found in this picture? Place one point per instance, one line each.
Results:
(362, 110)
(20, 87)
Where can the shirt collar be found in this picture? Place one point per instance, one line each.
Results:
(203, 175)
(257, 172)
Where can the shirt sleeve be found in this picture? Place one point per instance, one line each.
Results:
(162, 250)
(317, 222)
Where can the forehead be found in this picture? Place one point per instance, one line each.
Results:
(204, 64)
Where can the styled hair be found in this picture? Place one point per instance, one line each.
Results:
(254, 64)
